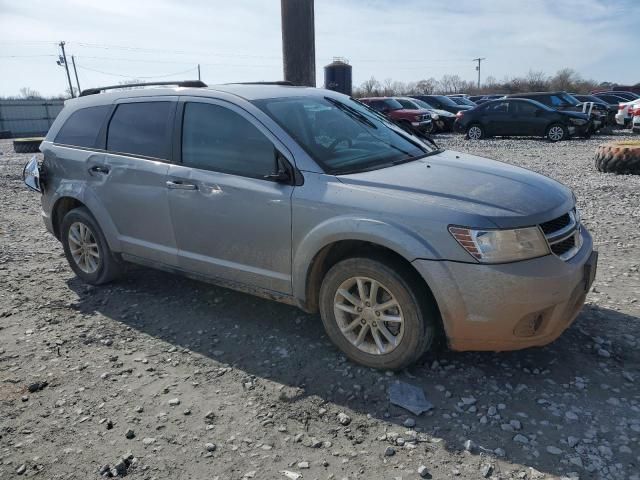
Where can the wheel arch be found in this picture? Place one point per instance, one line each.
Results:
(84, 198)
(332, 242)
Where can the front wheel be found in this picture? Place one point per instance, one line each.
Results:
(371, 311)
(475, 132)
(557, 132)
(86, 248)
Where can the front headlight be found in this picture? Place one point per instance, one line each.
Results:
(578, 121)
(435, 116)
(501, 246)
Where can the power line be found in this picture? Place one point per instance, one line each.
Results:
(135, 76)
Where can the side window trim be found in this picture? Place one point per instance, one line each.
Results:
(179, 120)
(170, 122)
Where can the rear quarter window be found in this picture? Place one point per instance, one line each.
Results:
(82, 127)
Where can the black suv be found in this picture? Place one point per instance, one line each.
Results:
(565, 102)
(520, 117)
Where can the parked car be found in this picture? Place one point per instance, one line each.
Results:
(562, 101)
(307, 197)
(441, 119)
(635, 123)
(420, 119)
(621, 93)
(613, 98)
(442, 102)
(624, 116)
(611, 109)
(463, 101)
(520, 117)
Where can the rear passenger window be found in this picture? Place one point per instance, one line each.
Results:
(82, 127)
(216, 138)
(141, 128)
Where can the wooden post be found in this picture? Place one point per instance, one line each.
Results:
(298, 42)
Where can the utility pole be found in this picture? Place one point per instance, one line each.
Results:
(298, 42)
(73, 62)
(198, 71)
(63, 61)
(479, 60)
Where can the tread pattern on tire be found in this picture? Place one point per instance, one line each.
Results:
(618, 157)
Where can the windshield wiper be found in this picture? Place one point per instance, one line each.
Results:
(352, 112)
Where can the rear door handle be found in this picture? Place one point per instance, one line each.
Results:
(99, 169)
(178, 185)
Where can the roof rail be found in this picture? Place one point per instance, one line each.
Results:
(180, 83)
(276, 82)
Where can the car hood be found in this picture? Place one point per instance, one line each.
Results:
(475, 187)
(574, 114)
(409, 111)
(443, 113)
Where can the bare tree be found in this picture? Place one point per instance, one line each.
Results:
(30, 93)
(536, 81)
(369, 88)
(426, 87)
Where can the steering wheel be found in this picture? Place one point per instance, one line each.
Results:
(338, 141)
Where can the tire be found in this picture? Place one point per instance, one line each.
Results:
(415, 334)
(475, 132)
(107, 266)
(556, 132)
(619, 157)
(27, 145)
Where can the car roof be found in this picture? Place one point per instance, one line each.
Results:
(245, 91)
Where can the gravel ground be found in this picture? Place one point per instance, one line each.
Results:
(162, 377)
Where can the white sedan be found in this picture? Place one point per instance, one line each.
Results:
(623, 117)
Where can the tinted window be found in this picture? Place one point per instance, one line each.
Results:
(497, 107)
(82, 127)
(215, 138)
(141, 129)
(526, 108)
(443, 100)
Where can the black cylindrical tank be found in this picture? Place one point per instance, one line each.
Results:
(337, 76)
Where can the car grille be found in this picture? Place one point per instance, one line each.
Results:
(555, 224)
(563, 235)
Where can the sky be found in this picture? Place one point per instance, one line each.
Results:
(240, 40)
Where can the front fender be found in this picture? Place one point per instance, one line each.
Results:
(395, 237)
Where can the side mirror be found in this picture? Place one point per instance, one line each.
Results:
(31, 175)
(281, 173)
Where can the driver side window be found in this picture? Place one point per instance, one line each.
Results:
(216, 138)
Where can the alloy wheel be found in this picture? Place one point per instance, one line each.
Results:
(83, 247)
(475, 133)
(368, 315)
(556, 133)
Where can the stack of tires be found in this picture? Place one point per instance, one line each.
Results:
(619, 157)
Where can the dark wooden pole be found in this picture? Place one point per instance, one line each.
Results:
(298, 42)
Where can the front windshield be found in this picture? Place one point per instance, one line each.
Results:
(423, 104)
(445, 100)
(466, 101)
(343, 135)
(408, 104)
(393, 104)
(570, 99)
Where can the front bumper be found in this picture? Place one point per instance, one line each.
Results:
(508, 306)
(424, 125)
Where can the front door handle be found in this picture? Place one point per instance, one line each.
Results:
(99, 169)
(178, 185)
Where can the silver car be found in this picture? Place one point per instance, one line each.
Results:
(308, 197)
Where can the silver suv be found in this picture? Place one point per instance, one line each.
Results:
(308, 197)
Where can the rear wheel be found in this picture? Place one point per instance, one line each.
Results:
(86, 248)
(475, 132)
(557, 132)
(371, 311)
